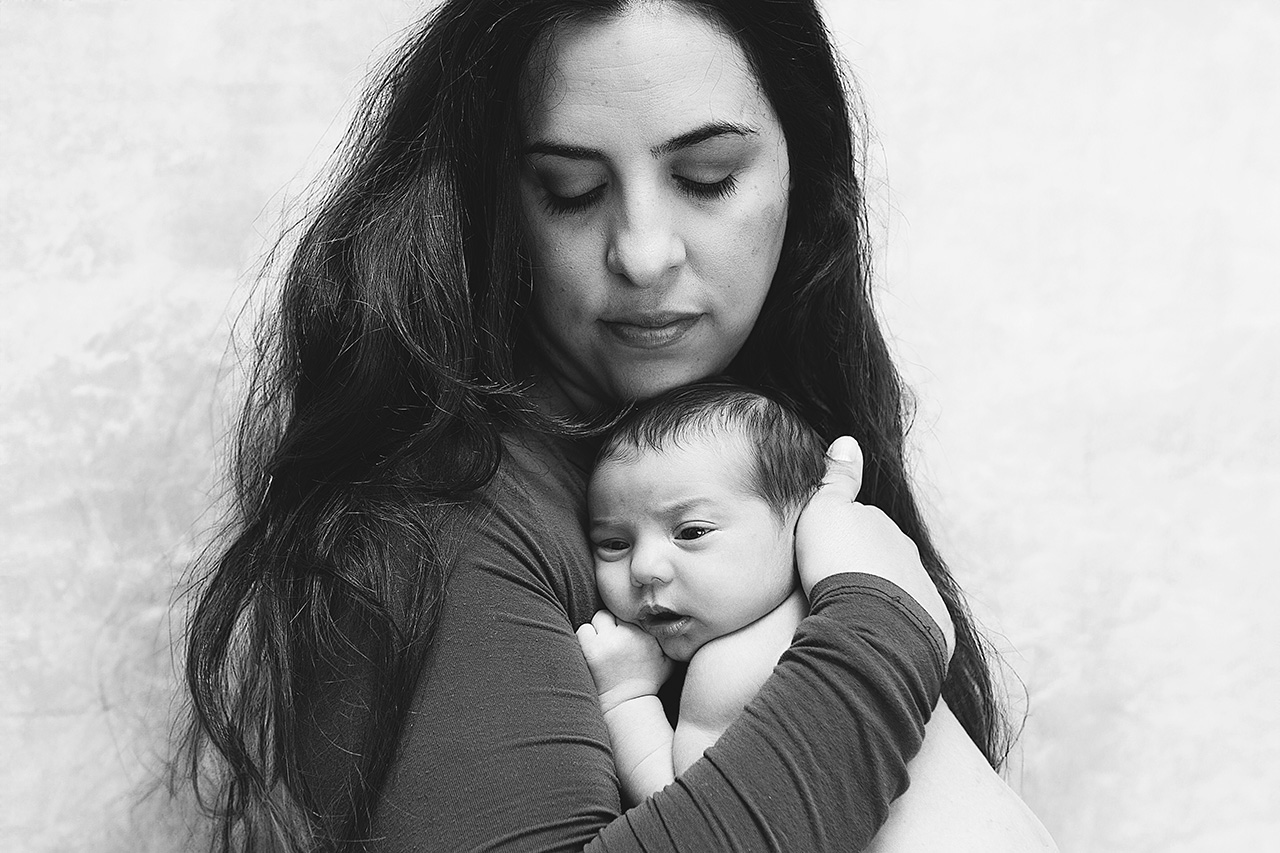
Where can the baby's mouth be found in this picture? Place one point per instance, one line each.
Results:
(662, 623)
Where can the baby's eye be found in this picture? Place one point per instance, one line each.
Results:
(692, 531)
(612, 546)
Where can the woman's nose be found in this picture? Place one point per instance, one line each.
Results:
(644, 245)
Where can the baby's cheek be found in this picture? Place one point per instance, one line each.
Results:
(612, 593)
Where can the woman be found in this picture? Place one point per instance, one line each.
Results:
(551, 209)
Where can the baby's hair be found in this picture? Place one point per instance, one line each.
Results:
(790, 457)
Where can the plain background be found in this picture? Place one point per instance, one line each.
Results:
(1075, 208)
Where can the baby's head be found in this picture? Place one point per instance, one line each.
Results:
(692, 508)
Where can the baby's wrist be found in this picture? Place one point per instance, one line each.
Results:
(625, 692)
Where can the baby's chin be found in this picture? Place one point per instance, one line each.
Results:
(681, 648)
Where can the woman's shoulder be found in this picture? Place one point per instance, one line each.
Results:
(528, 520)
(545, 463)
(527, 471)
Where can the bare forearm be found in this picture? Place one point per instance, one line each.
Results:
(641, 738)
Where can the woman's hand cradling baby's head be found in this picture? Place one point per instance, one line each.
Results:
(837, 534)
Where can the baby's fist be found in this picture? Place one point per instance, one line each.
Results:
(625, 662)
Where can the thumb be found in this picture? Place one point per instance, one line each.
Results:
(844, 468)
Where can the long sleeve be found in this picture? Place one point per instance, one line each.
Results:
(817, 757)
(505, 748)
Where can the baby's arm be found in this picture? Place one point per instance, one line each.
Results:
(726, 673)
(628, 667)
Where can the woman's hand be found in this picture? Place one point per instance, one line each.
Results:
(625, 662)
(837, 534)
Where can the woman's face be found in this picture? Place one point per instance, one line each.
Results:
(654, 189)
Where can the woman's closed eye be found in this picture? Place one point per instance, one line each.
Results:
(569, 185)
(710, 169)
(566, 199)
(708, 189)
(556, 203)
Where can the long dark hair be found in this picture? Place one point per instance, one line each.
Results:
(387, 374)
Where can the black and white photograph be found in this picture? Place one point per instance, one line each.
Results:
(639, 425)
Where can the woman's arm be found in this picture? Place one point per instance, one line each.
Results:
(957, 802)
(835, 534)
(505, 747)
(815, 759)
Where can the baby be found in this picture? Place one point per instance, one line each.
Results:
(693, 509)
(693, 505)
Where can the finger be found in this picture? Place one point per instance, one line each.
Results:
(603, 620)
(844, 468)
(586, 632)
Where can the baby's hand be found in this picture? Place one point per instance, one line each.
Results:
(625, 662)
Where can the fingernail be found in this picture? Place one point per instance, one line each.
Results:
(842, 448)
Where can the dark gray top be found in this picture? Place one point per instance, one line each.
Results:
(506, 748)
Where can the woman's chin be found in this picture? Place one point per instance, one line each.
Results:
(645, 385)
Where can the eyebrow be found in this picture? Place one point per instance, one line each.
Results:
(671, 509)
(701, 134)
(685, 140)
(685, 505)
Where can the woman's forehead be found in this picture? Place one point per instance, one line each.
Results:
(654, 71)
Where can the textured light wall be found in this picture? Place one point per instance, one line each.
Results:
(1082, 276)
(1079, 269)
(146, 149)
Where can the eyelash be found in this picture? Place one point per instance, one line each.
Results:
(574, 204)
(694, 189)
(716, 189)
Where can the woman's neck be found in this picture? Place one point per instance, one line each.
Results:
(551, 397)
(557, 396)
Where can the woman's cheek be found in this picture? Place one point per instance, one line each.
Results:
(765, 231)
(747, 245)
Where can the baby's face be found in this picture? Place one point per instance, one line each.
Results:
(683, 548)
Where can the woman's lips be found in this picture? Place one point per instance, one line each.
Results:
(651, 331)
